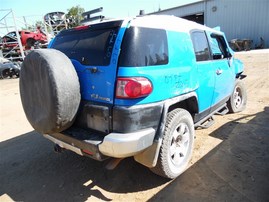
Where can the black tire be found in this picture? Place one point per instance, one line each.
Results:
(6, 73)
(29, 43)
(50, 91)
(13, 74)
(177, 145)
(16, 73)
(238, 99)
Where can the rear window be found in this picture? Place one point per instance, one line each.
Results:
(144, 47)
(91, 46)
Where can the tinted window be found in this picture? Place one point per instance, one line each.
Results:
(200, 46)
(89, 46)
(144, 47)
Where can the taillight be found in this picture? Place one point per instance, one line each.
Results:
(134, 87)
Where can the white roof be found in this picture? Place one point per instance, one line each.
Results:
(169, 22)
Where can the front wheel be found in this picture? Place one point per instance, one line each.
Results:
(177, 145)
(238, 99)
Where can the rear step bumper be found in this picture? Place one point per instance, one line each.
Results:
(118, 145)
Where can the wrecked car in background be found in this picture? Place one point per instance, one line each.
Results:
(28, 39)
(9, 69)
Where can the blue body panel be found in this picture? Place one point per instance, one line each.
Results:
(238, 66)
(207, 80)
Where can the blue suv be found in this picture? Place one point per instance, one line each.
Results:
(134, 87)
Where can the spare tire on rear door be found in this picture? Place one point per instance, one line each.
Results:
(50, 91)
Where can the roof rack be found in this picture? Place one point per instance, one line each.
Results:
(89, 18)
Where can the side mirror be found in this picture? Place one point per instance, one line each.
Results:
(217, 56)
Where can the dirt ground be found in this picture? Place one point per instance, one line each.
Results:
(230, 160)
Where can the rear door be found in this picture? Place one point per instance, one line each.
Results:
(93, 51)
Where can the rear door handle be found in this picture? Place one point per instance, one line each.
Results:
(219, 71)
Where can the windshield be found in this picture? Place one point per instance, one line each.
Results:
(91, 46)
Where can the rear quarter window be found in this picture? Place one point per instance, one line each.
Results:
(144, 47)
(200, 45)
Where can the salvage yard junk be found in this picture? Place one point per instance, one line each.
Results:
(56, 22)
(29, 40)
(240, 44)
(18, 37)
(9, 69)
(5, 16)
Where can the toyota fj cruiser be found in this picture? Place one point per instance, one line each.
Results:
(135, 87)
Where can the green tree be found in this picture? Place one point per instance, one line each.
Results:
(74, 15)
(28, 27)
(33, 27)
(39, 23)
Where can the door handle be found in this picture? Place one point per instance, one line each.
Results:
(94, 70)
(219, 71)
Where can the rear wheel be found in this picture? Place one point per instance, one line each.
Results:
(177, 145)
(238, 99)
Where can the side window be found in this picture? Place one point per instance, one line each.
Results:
(144, 47)
(200, 46)
(218, 46)
(215, 46)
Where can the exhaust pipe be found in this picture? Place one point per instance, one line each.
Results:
(113, 163)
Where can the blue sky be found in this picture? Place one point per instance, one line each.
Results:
(112, 8)
(34, 10)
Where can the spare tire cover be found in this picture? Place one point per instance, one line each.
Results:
(49, 89)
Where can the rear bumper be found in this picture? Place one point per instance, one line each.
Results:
(121, 145)
(118, 145)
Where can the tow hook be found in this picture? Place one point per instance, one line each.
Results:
(58, 149)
